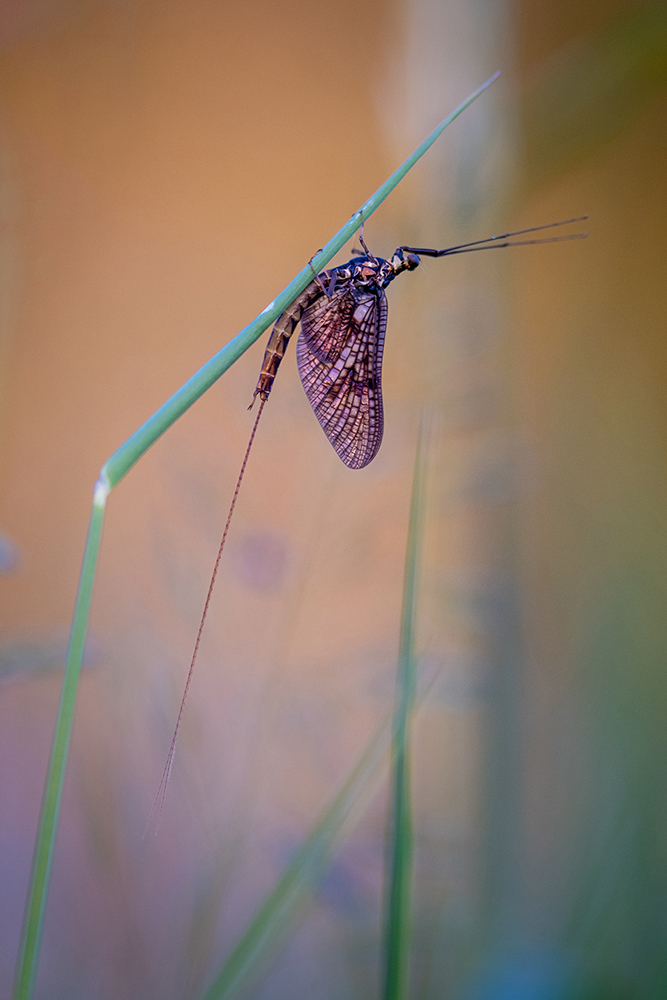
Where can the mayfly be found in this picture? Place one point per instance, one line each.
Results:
(343, 316)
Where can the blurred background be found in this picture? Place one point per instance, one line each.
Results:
(166, 169)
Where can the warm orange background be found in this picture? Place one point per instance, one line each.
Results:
(166, 169)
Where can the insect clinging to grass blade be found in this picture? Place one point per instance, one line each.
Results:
(343, 316)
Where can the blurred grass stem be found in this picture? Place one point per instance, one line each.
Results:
(40, 873)
(400, 839)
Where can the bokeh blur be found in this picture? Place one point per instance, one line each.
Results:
(166, 168)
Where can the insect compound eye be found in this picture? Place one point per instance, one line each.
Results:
(412, 261)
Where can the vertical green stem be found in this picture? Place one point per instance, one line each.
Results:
(33, 917)
(399, 866)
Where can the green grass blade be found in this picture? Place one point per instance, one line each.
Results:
(131, 451)
(112, 472)
(301, 877)
(399, 861)
(40, 873)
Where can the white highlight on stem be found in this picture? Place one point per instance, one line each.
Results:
(101, 492)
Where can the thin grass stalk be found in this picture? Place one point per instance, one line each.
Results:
(398, 917)
(117, 466)
(301, 877)
(40, 873)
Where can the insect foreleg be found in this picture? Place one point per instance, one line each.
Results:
(316, 275)
(283, 329)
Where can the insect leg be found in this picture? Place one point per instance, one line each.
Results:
(361, 240)
(316, 275)
(283, 329)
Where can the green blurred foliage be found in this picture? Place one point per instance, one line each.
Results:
(589, 92)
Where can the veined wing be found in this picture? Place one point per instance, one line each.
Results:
(346, 394)
(325, 324)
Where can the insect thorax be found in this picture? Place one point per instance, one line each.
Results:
(372, 272)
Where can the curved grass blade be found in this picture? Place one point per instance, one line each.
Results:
(110, 475)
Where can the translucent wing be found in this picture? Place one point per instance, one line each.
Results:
(325, 324)
(346, 391)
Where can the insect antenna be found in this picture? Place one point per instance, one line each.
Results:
(491, 242)
(158, 802)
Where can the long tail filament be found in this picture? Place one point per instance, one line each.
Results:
(158, 802)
